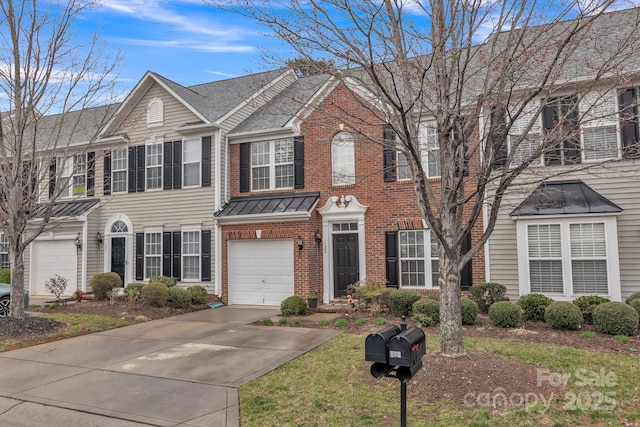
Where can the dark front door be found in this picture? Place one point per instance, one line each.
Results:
(345, 262)
(118, 256)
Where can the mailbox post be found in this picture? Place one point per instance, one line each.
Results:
(396, 353)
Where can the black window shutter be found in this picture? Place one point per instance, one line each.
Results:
(298, 161)
(244, 167)
(52, 178)
(391, 253)
(132, 169)
(106, 181)
(466, 275)
(629, 122)
(177, 164)
(139, 256)
(140, 168)
(553, 154)
(206, 161)
(498, 137)
(167, 163)
(389, 153)
(91, 173)
(166, 253)
(176, 254)
(205, 274)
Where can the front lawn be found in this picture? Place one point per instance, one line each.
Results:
(532, 384)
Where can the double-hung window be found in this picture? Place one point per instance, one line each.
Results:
(419, 259)
(153, 166)
(343, 165)
(523, 144)
(430, 148)
(545, 258)
(152, 254)
(272, 164)
(73, 179)
(599, 126)
(119, 170)
(191, 162)
(191, 253)
(4, 251)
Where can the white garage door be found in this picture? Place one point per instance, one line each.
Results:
(260, 271)
(51, 257)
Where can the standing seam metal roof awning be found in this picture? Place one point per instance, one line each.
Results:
(565, 197)
(65, 209)
(272, 206)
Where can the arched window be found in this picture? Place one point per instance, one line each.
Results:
(119, 227)
(343, 166)
(155, 112)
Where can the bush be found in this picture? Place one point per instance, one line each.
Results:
(401, 301)
(369, 293)
(485, 294)
(469, 311)
(155, 293)
(169, 281)
(5, 275)
(616, 318)
(103, 283)
(57, 285)
(533, 306)
(293, 306)
(198, 294)
(587, 303)
(133, 291)
(503, 314)
(563, 315)
(179, 297)
(423, 320)
(630, 298)
(635, 303)
(427, 307)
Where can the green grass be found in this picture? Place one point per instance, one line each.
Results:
(588, 334)
(324, 323)
(327, 387)
(85, 323)
(283, 320)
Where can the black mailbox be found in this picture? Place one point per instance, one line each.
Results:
(376, 345)
(407, 348)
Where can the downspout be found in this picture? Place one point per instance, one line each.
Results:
(85, 247)
(220, 178)
(485, 212)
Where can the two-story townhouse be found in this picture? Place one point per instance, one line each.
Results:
(141, 196)
(317, 205)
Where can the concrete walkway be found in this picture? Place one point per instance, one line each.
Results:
(179, 371)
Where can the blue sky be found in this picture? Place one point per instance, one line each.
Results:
(184, 40)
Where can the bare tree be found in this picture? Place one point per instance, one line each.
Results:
(48, 80)
(483, 72)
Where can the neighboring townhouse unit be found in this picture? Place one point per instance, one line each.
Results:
(317, 205)
(140, 199)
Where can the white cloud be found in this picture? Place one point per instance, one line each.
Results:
(198, 45)
(220, 73)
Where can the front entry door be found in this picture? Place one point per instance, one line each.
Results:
(118, 256)
(346, 269)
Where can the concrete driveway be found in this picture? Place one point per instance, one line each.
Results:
(179, 371)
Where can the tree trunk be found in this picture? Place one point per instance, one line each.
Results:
(451, 342)
(17, 286)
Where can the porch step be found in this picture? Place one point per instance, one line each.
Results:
(335, 306)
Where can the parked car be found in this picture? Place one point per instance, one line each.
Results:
(5, 297)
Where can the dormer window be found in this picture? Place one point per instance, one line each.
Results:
(155, 112)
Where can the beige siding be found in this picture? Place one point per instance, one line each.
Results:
(620, 183)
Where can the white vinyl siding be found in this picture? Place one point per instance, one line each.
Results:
(418, 259)
(191, 255)
(191, 158)
(154, 166)
(152, 254)
(343, 167)
(272, 164)
(119, 170)
(430, 148)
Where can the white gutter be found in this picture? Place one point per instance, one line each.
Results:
(264, 218)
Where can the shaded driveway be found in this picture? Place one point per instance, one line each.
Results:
(180, 371)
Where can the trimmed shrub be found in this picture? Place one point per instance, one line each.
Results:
(5, 275)
(133, 291)
(103, 283)
(369, 293)
(179, 297)
(503, 314)
(533, 306)
(563, 315)
(630, 298)
(587, 303)
(616, 318)
(198, 294)
(293, 306)
(169, 281)
(422, 320)
(485, 294)
(427, 307)
(155, 293)
(469, 311)
(401, 301)
(635, 303)
(384, 299)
